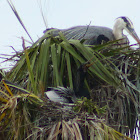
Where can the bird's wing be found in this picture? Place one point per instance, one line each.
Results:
(61, 94)
(55, 97)
(89, 33)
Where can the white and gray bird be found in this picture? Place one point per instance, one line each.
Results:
(61, 95)
(94, 35)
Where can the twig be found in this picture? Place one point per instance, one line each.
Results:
(86, 30)
(18, 17)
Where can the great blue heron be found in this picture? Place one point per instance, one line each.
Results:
(94, 35)
(67, 95)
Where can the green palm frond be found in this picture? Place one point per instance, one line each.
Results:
(55, 56)
(113, 79)
(55, 60)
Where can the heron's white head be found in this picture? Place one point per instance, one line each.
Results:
(124, 23)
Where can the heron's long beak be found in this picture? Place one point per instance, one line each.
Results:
(132, 32)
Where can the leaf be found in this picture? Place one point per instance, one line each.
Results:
(2, 116)
(29, 68)
(77, 131)
(7, 88)
(55, 65)
(69, 68)
(3, 100)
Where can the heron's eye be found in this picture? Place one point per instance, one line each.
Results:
(128, 25)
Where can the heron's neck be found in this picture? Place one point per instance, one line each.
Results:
(118, 31)
(118, 34)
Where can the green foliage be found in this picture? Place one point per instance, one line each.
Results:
(16, 113)
(114, 80)
(26, 116)
(87, 105)
(56, 60)
(113, 75)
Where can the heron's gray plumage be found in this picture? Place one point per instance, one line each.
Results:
(94, 35)
(88, 33)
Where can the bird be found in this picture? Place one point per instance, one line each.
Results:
(62, 94)
(68, 95)
(95, 35)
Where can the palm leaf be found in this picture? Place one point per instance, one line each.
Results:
(49, 53)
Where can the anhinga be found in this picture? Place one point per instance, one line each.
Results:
(62, 94)
(67, 95)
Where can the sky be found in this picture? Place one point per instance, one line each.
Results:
(60, 14)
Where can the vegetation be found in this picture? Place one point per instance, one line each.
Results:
(113, 80)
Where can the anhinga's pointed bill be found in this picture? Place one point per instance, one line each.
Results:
(89, 65)
(132, 32)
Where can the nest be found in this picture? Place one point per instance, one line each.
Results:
(26, 116)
